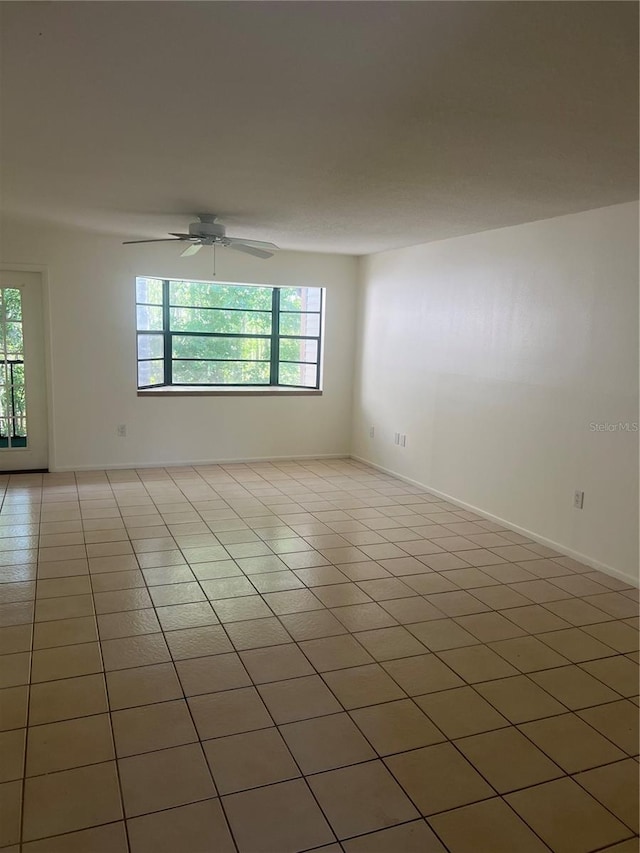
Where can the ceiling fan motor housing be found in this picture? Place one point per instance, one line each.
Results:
(206, 229)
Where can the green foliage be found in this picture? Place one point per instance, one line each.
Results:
(220, 321)
(221, 373)
(203, 295)
(12, 303)
(13, 340)
(240, 349)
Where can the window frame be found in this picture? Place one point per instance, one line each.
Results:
(274, 361)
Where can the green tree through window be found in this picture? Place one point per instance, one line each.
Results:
(202, 333)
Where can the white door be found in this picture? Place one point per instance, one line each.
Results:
(23, 389)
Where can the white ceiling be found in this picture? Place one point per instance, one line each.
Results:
(328, 126)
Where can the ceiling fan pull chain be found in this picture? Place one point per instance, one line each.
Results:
(214, 260)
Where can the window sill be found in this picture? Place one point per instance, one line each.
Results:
(230, 391)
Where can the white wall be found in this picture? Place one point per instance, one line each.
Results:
(493, 353)
(92, 330)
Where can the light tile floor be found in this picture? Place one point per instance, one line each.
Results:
(303, 656)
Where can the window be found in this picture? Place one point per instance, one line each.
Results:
(13, 419)
(206, 334)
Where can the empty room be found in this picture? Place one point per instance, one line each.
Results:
(319, 427)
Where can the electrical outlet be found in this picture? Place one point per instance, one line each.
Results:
(371, 432)
(578, 499)
(121, 430)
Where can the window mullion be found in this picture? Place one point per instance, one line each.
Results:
(166, 322)
(275, 335)
(320, 334)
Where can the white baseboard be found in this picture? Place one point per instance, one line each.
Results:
(543, 540)
(65, 469)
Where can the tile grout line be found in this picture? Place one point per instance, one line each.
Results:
(106, 693)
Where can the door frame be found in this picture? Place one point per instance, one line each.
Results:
(43, 272)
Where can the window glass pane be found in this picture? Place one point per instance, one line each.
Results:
(252, 349)
(298, 374)
(13, 339)
(18, 399)
(20, 427)
(300, 298)
(149, 318)
(150, 373)
(150, 346)
(202, 295)
(300, 324)
(220, 372)
(298, 349)
(234, 322)
(12, 303)
(149, 290)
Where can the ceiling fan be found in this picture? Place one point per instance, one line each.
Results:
(208, 232)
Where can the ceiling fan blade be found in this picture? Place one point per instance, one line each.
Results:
(258, 244)
(250, 250)
(163, 240)
(191, 250)
(183, 236)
